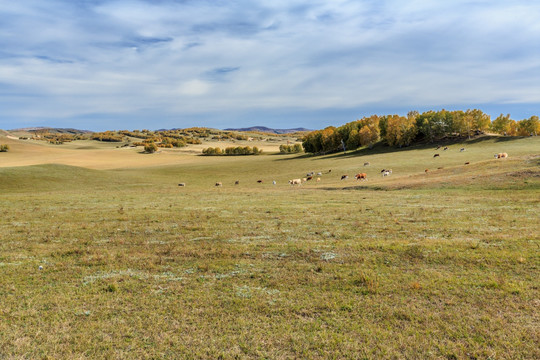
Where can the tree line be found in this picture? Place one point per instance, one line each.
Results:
(400, 131)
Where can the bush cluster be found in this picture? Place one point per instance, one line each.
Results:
(4, 148)
(290, 149)
(239, 150)
(110, 136)
(150, 147)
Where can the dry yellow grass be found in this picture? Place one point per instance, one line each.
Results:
(104, 156)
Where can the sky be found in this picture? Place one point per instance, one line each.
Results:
(126, 64)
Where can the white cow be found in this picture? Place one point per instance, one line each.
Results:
(295, 182)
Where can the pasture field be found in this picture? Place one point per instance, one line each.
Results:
(437, 265)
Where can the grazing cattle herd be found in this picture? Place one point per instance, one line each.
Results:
(359, 176)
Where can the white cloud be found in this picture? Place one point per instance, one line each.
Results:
(194, 88)
(124, 57)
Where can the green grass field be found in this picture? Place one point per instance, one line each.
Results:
(437, 265)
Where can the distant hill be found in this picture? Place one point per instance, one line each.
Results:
(54, 130)
(269, 130)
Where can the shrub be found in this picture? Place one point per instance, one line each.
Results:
(150, 148)
(4, 148)
(290, 149)
(239, 150)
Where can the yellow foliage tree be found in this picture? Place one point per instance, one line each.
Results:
(400, 131)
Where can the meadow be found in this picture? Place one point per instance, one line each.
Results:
(112, 259)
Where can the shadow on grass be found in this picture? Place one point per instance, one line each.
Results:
(296, 157)
(495, 139)
(381, 148)
(359, 187)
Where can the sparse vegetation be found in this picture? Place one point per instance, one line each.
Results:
(4, 148)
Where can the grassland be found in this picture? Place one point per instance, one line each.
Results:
(443, 265)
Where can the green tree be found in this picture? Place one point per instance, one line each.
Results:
(501, 125)
(481, 121)
(530, 126)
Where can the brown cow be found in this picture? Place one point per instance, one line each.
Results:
(436, 155)
(467, 163)
(259, 181)
(426, 171)
(237, 182)
(361, 176)
(309, 178)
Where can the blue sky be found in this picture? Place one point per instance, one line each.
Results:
(124, 64)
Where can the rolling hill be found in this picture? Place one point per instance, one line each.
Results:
(268, 130)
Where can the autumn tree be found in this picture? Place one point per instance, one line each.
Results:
(368, 135)
(480, 120)
(400, 131)
(501, 125)
(530, 126)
